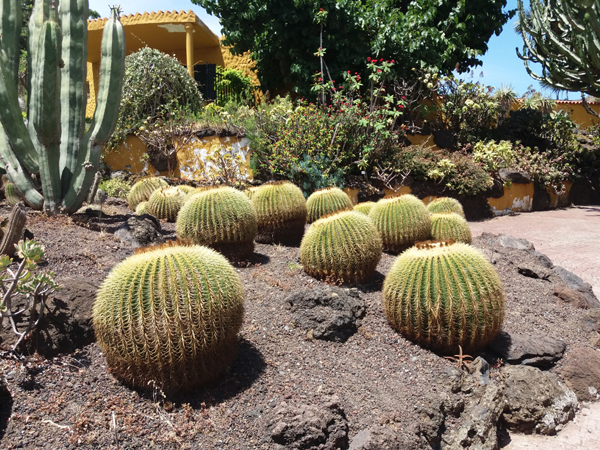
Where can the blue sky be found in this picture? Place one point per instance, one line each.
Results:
(500, 64)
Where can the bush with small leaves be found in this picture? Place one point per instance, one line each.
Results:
(143, 189)
(166, 202)
(450, 226)
(446, 205)
(326, 201)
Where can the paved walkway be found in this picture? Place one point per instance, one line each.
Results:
(571, 239)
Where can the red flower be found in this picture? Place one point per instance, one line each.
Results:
(392, 61)
(369, 58)
(403, 97)
(381, 60)
(378, 70)
(321, 9)
(401, 106)
(348, 71)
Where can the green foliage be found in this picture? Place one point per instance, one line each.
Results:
(326, 201)
(494, 156)
(143, 189)
(116, 187)
(312, 174)
(442, 296)
(221, 218)
(445, 205)
(180, 330)
(344, 247)
(445, 226)
(233, 86)
(165, 203)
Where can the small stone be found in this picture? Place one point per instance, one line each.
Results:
(512, 242)
(528, 349)
(581, 371)
(571, 296)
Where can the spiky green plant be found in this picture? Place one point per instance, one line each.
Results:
(187, 189)
(344, 247)
(450, 226)
(446, 205)
(401, 221)
(223, 219)
(442, 295)
(326, 201)
(11, 230)
(165, 203)
(143, 189)
(55, 143)
(12, 194)
(169, 317)
(250, 191)
(281, 213)
(142, 208)
(364, 207)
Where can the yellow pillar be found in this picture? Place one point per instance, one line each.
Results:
(189, 48)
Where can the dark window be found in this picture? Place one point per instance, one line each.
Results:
(205, 75)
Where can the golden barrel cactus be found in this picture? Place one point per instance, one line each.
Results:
(446, 205)
(326, 201)
(364, 207)
(142, 208)
(143, 189)
(446, 226)
(165, 203)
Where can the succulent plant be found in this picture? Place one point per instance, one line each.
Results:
(11, 230)
(343, 246)
(364, 207)
(401, 221)
(250, 191)
(445, 205)
(143, 189)
(187, 189)
(165, 203)
(12, 194)
(326, 201)
(169, 317)
(223, 219)
(142, 208)
(450, 226)
(442, 295)
(281, 213)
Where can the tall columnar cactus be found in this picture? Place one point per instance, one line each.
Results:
(446, 205)
(326, 201)
(223, 219)
(281, 213)
(165, 203)
(11, 230)
(344, 247)
(143, 189)
(364, 207)
(169, 317)
(442, 296)
(55, 143)
(12, 194)
(446, 226)
(401, 221)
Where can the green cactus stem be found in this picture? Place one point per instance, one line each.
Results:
(12, 230)
(142, 208)
(343, 247)
(12, 194)
(326, 201)
(450, 226)
(166, 202)
(364, 207)
(169, 317)
(143, 189)
(444, 295)
(445, 205)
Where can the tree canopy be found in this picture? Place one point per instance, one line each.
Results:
(283, 35)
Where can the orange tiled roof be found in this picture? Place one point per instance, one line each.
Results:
(151, 17)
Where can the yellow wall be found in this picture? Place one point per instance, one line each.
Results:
(578, 113)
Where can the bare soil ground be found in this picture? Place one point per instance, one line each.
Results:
(71, 400)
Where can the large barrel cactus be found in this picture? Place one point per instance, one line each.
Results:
(281, 213)
(143, 189)
(326, 201)
(446, 226)
(169, 317)
(364, 207)
(55, 143)
(442, 295)
(165, 203)
(445, 205)
(342, 247)
(401, 221)
(223, 219)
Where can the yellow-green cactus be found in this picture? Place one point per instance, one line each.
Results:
(326, 201)
(250, 191)
(187, 189)
(344, 247)
(445, 205)
(12, 194)
(401, 221)
(450, 226)
(442, 295)
(166, 202)
(281, 213)
(142, 208)
(143, 189)
(223, 219)
(364, 207)
(169, 317)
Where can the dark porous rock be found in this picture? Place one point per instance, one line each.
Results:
(308, 426)
(379, 438)
(480, 369)
(328, 313)
(581, 372)
(140, 231)
(122, 174)
(67, 324)
(528, 349)
(512, 242)
(571, 296)
(536, 271)
(497, 189)
(543, 259)
(590, 321)
(574, 282)
(541, 199)
(536, 401)
(6, 404)
(515, 177)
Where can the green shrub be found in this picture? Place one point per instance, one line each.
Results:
(233, 86)
(116, 187)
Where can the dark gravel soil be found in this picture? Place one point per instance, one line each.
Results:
(380, 378)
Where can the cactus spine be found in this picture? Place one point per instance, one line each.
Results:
(326, 201)
(223, 219)
(446, 205)
(342, 247)
(142, 208)
(54, 143)
(12, 194)
(442, 295)
(450, 226)
(364, 207)
(169, 317)
(166, 202)
(401, 221)
(142, 190)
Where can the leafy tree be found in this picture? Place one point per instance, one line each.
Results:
(283, 35)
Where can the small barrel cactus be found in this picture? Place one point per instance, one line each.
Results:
(281, 213)
(143, 189)
(186, 189)
(12, 194)
(342, 247)
(142, 208)
(223, 219)
(450, 226)
(364, 207)
(445, 205)
(401, 221)
(166, 202)
(326, 201)
(169, 317)
(442, 295)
